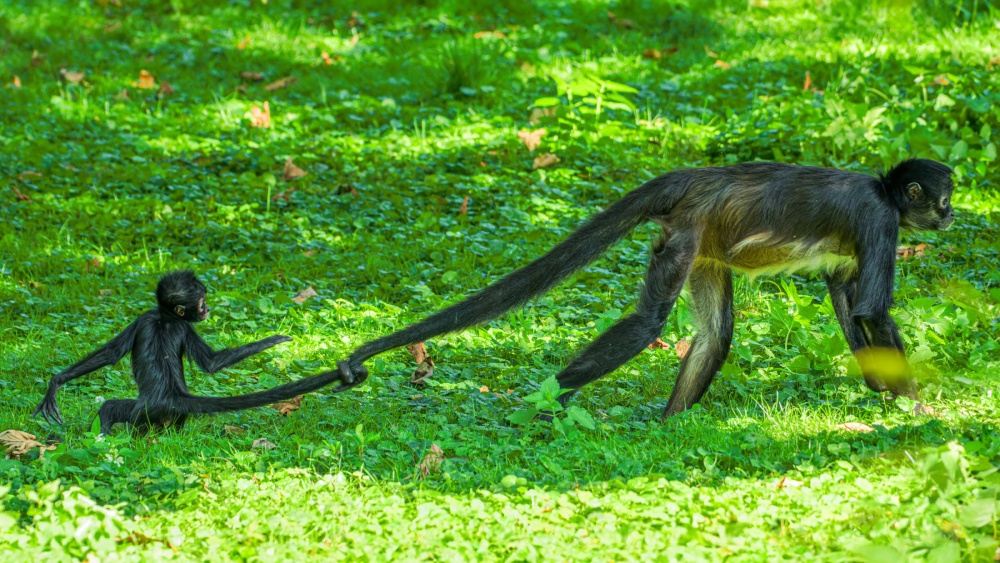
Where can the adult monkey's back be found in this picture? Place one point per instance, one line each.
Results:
(756, 218)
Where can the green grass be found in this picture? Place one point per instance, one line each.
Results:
(415, 114)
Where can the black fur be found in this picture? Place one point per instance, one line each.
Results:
(157, 340)
(753, 217)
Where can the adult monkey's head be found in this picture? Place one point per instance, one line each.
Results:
(922, 191)
(181, 295)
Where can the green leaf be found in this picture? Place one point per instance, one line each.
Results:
(550, 388)
(979, 513)
(546, 102)
(523, 416)
(581, 416)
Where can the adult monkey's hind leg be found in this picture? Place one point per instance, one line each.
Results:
(116, 411)
(668, 268)
(711, 286)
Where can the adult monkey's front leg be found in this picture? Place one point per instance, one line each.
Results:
(843, 287)
(883, 355)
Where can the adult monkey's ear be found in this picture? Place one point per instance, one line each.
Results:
(179, 310)
(915, 191)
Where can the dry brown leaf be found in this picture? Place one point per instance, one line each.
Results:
(785, 482)
(485, 389)
(854, 427)
(722, 64)
(345, 189)
(17, 82)
(907, 252)
(464, 208)
(682, 348)
(281, 83)
(538, 113)
(432, 460)
(112, 27)
(941, 80)
(531, 139)
(105, 292)
(659, 344)
(260, 118)
(327, 60)
(146, 81)
(20, 196)
(288, 406)
(24, 175)
(165, 88)
(423, 372)
(292, 172)
(304, 294)
(243, 43)
(255, 76)
(234, 430)
(73, 76)
(653, 54)
(544, 161)
(808, 84)
(710, 52)
(18, 443)
(263, 444)
(418, 351)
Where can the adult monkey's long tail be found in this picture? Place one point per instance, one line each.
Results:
(582, 247)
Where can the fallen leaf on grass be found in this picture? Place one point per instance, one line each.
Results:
(19, 443)
(326, 58)
(24, 175)
(165, 88)
(105, 292)
(255, 76)
(907, 252)
(484, 389)
(785, 482)
(538, 113)
(306, 293)
(531, 139)
(243, 43)
(808, 83)
(112, 27)
(710, 52)
(423, 372)
(854, 427)
(418, 351)
(263, 444)
(146, 81)
(941, 80)
(281, 83)
(285, 195)
(722, 64)
(292, 172)
(19, 195)
(682, 348)
(288, 406)
(659, 344)
(432, 460)
(464, 209)
(544, 161)
(73, 76)
(259, 117)
(17, 82)
(486, 34)
(653, 54)
(234, 430)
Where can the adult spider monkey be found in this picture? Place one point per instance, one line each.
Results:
(756, 218)
(158, 339)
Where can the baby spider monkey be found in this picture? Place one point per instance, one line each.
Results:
(158, 340)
